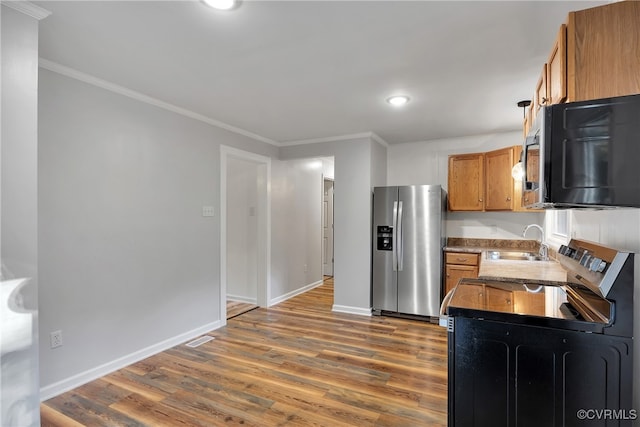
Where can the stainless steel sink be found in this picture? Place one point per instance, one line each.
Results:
(514, 255)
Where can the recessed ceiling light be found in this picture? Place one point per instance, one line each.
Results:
(398, 100)
(220, 4)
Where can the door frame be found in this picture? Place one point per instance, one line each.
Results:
(326, 179)
(263, 165)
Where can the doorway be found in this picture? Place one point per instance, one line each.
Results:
(327, 227)
(245, 224)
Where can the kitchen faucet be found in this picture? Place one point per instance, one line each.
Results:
(544, 248)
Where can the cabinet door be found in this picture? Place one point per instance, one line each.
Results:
(471, 296)
(499, 182)
(603, 51)
(464, 258)
(520, 201)
(453, 274)
(529, 303)
(540, 97)
(557, 68)
(466, 182)
(528, 121)
(498, 299)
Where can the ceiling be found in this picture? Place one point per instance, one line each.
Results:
(299, 70)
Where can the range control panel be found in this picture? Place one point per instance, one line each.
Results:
(586, 258)
(593, 265)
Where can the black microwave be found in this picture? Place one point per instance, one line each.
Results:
(584, 154)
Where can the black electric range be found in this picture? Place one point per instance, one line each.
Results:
(533, 353)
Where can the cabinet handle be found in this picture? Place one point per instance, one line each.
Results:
(508, 199)
(461, 259)
(479, 200)
(544, 100)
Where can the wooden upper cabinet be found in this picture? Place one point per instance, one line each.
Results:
(466, 182)
(603, 51)
(596, 54)
(557, 69)
(540, 97)
(519, 202)
(528, 120)
(499, 191)
(483, 181)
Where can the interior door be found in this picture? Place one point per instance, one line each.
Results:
(327, 228)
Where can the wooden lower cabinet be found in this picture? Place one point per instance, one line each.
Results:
(459, 265)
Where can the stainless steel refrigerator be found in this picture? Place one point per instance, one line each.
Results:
(408, 238)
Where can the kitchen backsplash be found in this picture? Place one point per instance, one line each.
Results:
(524, 244)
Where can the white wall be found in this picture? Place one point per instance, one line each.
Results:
(378, 166)
(19, 399)
(427, 163)
(328, 168)
(618, 228)
(491, 225)
(128, 264)
(296, 201)
(352, 215)
(242, 229)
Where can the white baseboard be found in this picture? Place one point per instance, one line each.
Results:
(351, 310)
(52, 390)
(292, 294)
(242, 299)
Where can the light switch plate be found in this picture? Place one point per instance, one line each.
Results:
(207, 211)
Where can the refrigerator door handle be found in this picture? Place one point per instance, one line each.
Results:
(394, 238)
(398, 235)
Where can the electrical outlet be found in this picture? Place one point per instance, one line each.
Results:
(305, 268)
(207, 211)
(56, 339)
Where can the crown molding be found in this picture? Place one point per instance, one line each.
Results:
(352, 136)
(121, 90)
(28, 8)
(379, 140)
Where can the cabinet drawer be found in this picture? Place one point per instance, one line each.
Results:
(461, 258)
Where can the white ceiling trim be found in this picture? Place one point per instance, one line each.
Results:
(95, 81)
(28, 8)
(353, 136)
(379, 140)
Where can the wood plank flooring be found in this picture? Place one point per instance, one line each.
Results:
(236, 308)
(294, 364)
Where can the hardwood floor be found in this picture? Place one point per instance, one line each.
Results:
(294, 364)
(236, 308)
